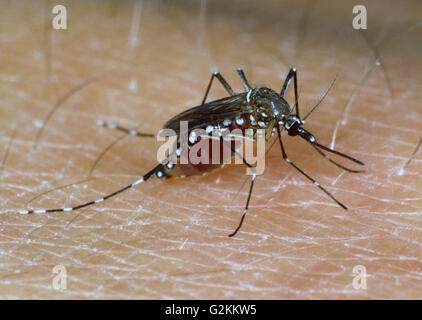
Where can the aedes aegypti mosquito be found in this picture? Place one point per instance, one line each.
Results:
(256, 108)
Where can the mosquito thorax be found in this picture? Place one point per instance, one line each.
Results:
(267, 101)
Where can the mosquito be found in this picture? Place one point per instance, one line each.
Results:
(256, 108)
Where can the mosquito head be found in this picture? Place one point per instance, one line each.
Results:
(268, 101)
(293, 125)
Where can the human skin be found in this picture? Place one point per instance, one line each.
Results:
(139, 64)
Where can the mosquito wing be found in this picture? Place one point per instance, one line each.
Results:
(210, 113)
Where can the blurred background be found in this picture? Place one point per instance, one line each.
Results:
(137, 64)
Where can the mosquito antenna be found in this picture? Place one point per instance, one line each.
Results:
(86, 204)
(322, 98)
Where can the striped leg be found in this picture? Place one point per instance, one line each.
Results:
(226, 86)
(125, 130)
(249, 194)
(292, 74)
(246, 207)
(303, 172)
(156, 170)
(245, 82)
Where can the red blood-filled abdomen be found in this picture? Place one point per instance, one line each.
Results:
(221, 151)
